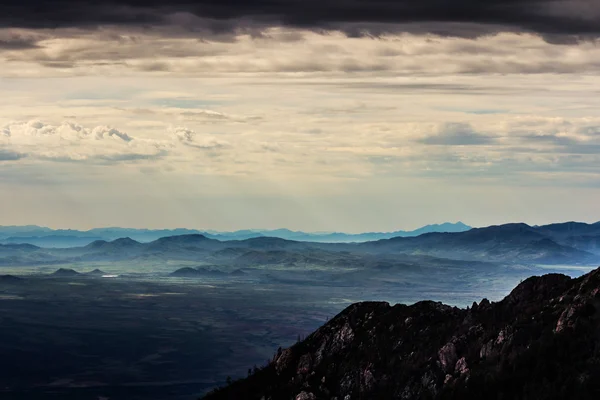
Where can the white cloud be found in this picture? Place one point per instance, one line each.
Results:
(184, 134)
(100, 132)
(71, 141)
(190, 138)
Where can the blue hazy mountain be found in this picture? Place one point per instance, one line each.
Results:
(518, 242)
(61, 238)
(568, 244)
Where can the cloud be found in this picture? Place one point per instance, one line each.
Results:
(68, 130)
(106, 159)
(590, 130)
(471, 18)
(190, 138)
(11, 41)
(551, 139)
(208, 114)
(457, 134)
(100, 132)
(114, 51)
(7, 155)
(184, 135)
(72, 142)
(565, 143)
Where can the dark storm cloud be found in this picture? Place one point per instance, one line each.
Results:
(17, 44)
(559, 21)
(14, 41)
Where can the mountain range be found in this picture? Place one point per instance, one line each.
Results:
(46, 237)
(568, 243)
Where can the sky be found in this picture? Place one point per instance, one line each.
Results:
(329, 115)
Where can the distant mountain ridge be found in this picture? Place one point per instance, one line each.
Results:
(568, 244)
(502, 242)
(60, 238)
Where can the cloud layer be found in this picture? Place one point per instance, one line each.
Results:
(467, 18)
(290, 52)
(519, 146)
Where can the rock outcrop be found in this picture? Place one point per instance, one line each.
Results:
(541, 342)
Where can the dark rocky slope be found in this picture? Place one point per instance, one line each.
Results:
(541, 342)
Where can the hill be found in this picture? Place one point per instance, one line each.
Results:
(540, 342)
(16, 247)
(65, 272)
(96, 272)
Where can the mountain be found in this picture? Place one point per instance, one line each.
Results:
(96, 272)
(120, 243)
(540, 342)
(24, 254)
(574, 244)
(183, 243)
(507, 243)
(141, 235)
(446, 227)
(17, 247)
(49, 241)
(338, 237)
(567, 229)
(581, 236)
(25, 229)
(65, 272)
(46, 237)
(272, 243)
(101, 250)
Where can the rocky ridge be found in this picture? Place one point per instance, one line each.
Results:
(540, 342)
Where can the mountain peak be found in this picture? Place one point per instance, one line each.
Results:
(66, 272)
(96, 244)
(193, 237)
(96, 272)
(126, 241)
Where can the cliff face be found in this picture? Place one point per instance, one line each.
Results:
(541, 342)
